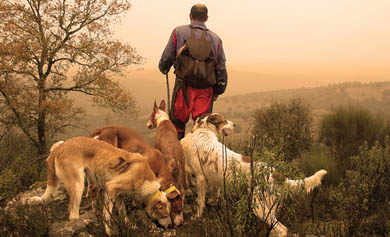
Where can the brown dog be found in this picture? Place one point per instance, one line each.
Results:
(166, 141)
(115, 170)
(129, 140)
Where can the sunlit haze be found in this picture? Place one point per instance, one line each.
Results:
(326, 37)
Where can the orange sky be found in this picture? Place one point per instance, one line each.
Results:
(272, 31)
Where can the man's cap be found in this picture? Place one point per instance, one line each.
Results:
(199, 11)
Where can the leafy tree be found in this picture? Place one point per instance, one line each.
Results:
(286, 125)
(49, 48)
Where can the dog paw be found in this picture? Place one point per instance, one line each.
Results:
(34, 200)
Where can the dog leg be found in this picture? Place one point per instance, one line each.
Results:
(201, 186)
(120, 204)
(46, 197)
(109, 198)
(107, 212)
(75, 194)
(266, 212)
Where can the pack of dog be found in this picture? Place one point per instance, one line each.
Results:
(120, 161)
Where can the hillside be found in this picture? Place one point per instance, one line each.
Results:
(373, 96)
(253, 86)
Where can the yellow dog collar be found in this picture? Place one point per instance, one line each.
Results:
(171, 189)
(154, 196)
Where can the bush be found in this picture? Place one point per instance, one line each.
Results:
(347, 128)
(285, 124)
(234, 213)
(24, 220)
(19, 166)
(364, 194)
(320, 158)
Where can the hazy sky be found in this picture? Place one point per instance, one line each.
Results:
(271, 31)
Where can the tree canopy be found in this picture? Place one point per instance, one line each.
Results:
(50, 48)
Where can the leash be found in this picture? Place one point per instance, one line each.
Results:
(169, 102)
(38, 158)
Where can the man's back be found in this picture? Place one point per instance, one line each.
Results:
(191, 97)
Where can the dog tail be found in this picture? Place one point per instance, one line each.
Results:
(96, 132)
(310, 182)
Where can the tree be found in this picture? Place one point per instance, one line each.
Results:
(50, 48)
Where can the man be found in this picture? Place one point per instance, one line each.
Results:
(192, 99)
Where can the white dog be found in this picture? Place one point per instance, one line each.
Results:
(203, 155)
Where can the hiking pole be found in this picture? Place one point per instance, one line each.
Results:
(169, 103)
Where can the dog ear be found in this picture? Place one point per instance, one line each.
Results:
(172, 164)
(213, 119)
(155, 108)
(162, 105)
(172, 195)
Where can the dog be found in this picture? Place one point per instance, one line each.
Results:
(166, 141)
(129, 140)
(204, 153)
(115, 170)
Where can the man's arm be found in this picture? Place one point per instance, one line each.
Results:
(220, 71)
(169, 54)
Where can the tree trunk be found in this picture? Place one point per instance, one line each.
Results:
(41, 118)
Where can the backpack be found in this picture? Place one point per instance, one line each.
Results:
(195, 62)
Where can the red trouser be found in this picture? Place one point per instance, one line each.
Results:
(199, 101)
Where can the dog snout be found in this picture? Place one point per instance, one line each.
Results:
(149, 125)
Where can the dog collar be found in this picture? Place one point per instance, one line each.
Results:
(171, 189)
(160, 119)
(154, 196)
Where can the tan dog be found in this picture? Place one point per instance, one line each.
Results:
(203, 155)
(119, 171)
(166, 141)
(129, 140)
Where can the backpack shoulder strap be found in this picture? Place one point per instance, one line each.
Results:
(200, 28)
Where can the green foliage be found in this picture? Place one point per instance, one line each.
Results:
(237, 204)
(24, 220)
(133, 222)
(320, 158)
(19, 165)
(347, 128)
(364, 195)
(285, 124)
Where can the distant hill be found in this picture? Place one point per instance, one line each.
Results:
(254, 85)
(374, 96)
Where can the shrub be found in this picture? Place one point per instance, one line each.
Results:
(19, 166)
(24, 220)
(347, 128)
(320, 158)
(364, 194)
(285, 124)
(234, 213)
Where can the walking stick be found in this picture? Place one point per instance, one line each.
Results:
(169, 103)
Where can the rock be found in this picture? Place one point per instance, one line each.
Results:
(67, 228)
